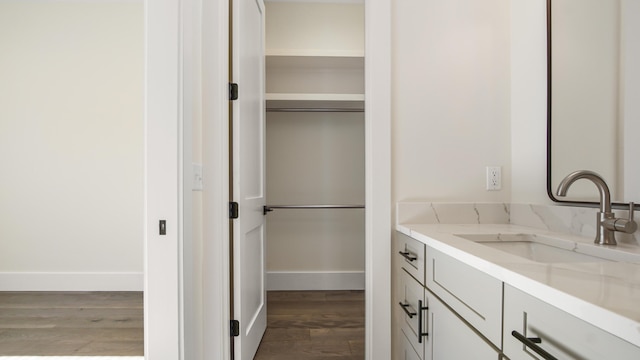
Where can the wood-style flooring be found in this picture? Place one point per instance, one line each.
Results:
(301, 325)
(314, 325)
(71, 323)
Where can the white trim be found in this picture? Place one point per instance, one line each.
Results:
(163, 186)
(71, 281)
(215, 168)
(315, 280)
(378, 179)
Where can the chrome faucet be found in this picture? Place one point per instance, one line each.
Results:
(607, 223)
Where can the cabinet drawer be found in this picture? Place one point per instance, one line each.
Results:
(474, 295)
(411, 255)
(452, 339)
(406, 350)
(562, 335)
(413, 302)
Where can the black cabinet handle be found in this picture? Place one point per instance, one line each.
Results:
(532, 344)
(407, 255)
(405, 307)
(420, 333)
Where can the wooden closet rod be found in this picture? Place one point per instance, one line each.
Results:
(314, 110)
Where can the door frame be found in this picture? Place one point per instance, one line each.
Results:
(167, 65)
(164, 141)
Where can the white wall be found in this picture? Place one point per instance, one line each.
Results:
(450, 100)
(71, 145)
(451, 95)
(315, 158)
(334, 28)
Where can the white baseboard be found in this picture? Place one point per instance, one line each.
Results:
(315, 280)
(59, 281)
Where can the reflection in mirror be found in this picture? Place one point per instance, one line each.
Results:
(594, 95)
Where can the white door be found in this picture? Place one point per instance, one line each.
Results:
(248, 117)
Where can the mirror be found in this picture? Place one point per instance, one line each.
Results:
(594, 97)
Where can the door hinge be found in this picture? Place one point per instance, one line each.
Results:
(235, 328)
(233, 210)
(233, 91)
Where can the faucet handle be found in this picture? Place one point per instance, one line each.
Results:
(623, 225)
(627, 225)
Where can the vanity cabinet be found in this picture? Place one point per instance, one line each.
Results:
(474, 295)
(427, 328)
(556, 332)
(452, 338)
(414, 302)
(410, 295)
(411, 256)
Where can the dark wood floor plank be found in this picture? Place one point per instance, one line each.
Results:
(112, 348)
(336, 333)
(314, 325)
(286, 334)
(76, 299)
(315, 307)
(334, 321)
(303, 348)
(346, 295)
(357, 347)
(317, 322)
(278, 296)
(71, 323)
(70, 318)
(52, 348)
(132, 334)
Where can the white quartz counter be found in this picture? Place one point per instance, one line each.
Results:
(605, 294)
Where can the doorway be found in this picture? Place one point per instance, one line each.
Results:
(215, 165)
(315, 173)
(72, 143)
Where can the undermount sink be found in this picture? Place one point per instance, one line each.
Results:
(545, 249)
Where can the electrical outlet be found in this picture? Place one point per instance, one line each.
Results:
(494, 178)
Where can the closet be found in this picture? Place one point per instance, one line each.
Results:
(315, 150)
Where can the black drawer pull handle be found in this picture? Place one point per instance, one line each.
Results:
(407, 255)
(420, 333)
(405, 307)
(532, 344)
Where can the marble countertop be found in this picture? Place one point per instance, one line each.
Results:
(605, 294)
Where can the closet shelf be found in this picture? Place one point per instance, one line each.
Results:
(313, 97)
(320, 53)
(315, 102)
(288, 63)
